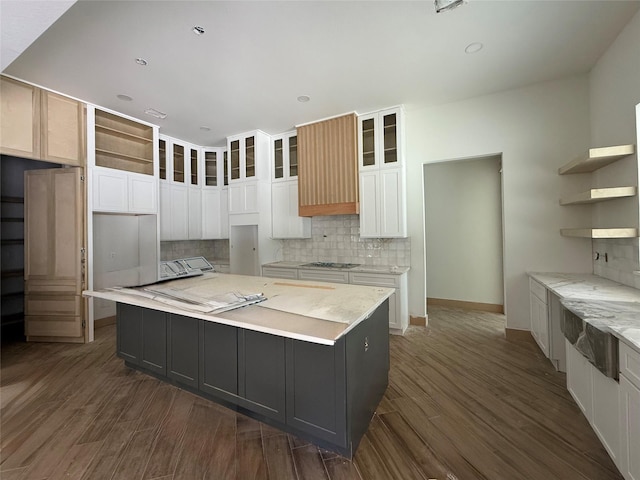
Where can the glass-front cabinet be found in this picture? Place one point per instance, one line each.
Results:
(211, 169)
(248, 157)
(234, 160)
(380, 140)
(178, 163)
(194, 164)
(162, 158)
(284, 149)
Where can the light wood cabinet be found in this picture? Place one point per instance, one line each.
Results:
(328, 167)
(382, 174)
(40, 124)
(594, 159)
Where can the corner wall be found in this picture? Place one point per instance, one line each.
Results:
(536, 129)
(614, 94)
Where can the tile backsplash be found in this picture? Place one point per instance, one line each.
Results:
(623, 259)
(337, 239)
(210, 249)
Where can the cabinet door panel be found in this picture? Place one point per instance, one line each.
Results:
(62, 129)
(250, 197)
(316, 389)
(211, 208)
(236, 201)
(369, 208)
(605, 421)
(630, 429)
(261, 373)
(166, 233)
(579, 382)
(154, 341)
(129, 332)
(195, 214)
(392, 220)
(219, 360)
(224, 213)
(142, 194)
(179, 213)
(109, 191)
(20, 119)
(183, 350)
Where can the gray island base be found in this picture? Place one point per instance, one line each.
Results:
(326, 394)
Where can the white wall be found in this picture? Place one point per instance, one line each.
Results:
(463, 230)
(536, 129)
(614, 95)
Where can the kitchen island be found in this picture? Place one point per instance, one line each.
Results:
(312, 359)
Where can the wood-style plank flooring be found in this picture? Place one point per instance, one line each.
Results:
(463, 403)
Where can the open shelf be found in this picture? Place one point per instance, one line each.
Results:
(596, 158)
(599, 195)
(121, 134)
(599, 232)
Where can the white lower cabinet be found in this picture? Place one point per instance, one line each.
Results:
(398, 302)
(286, 223)
(118, 191)
(539, 315)
(579, 381)
(629, 413)
(599, 398)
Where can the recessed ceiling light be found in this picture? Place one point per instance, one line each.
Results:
(204, 128)
(474, 47)
(141, 61)
(155, 113)
(124, 98)
(304, 98)
(198, 30)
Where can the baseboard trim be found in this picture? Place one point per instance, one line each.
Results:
(418, 321)
(103, 322)
(514, 335)
(485, 307)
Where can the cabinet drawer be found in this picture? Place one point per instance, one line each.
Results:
(374, 279)
(276, 272)
(538, 290)
(324, 276)
(69, 305)
(630, 364)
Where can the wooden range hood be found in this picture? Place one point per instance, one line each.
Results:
(328, 167)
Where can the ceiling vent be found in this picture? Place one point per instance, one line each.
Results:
(445, 5)
(155, 113)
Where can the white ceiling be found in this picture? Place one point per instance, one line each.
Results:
(256, 58)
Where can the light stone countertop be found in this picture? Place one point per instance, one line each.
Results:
(603, 303)
(388, 269)
(317, 312)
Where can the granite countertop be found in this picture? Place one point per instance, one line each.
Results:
(603, 303)
(388, 269)
(317, 312)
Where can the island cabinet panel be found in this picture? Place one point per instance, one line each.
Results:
(261, 373)
(154, 341)
(316, 389)
(219, 360)
(129, 333)
(142, 337)
(183, 350)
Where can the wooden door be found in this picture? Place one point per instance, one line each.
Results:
(54, 255)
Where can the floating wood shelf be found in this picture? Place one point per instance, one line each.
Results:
(596, 158)
(599, 195)
(599, 232)
(123, 156)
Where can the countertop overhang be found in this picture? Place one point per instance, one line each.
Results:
(606, 305)
(317, 312)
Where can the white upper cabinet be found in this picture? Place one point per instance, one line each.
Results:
(248, 157)
(215, 213)
(285, 157)
(382, 174)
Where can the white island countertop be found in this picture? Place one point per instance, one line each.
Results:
(605, 304)
(316, 312)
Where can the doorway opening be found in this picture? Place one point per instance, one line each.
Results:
(464, 233)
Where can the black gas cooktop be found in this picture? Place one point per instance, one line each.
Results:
(331, 265)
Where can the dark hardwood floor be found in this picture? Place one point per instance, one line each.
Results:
(463, 403)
